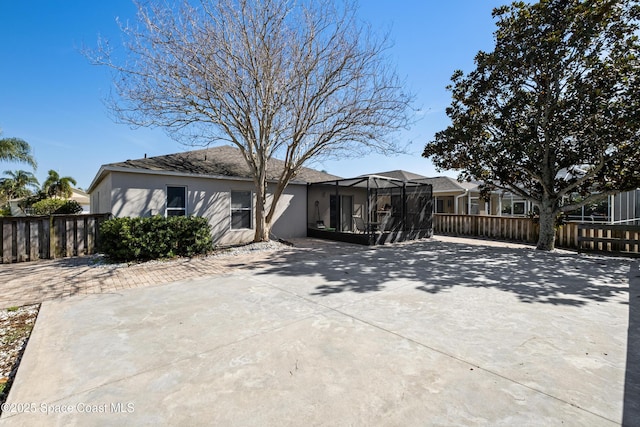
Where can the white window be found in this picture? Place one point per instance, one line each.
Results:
(176, 201)
(475, 207)
(514, 207)
(240, 210)
(519, 208)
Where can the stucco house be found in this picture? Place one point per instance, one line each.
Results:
(453, 197)
(214, 183)
(82, 198)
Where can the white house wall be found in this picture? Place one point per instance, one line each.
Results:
(291, 214)
(100, 197)
(135, 194)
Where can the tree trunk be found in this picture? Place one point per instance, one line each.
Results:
(547, 236)
(263, 228)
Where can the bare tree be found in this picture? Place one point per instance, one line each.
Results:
(294, 79)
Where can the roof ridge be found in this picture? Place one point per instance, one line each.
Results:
(221, 160)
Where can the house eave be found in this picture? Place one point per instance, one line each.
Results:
(104, 170)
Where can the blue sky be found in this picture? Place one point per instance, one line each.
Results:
(53, 98)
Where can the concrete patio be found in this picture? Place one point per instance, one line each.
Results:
(424, 333)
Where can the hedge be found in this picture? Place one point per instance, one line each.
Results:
(141, 239)
(56, 206)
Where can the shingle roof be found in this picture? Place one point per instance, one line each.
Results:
(440, 184)
(215, 161)
(400, 175)
(443, 184)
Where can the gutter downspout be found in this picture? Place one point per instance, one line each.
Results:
(612, 209)
(456, 204)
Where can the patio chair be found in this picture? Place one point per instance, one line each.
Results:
(360, 226)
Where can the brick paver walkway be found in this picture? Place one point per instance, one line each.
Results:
(34, 282)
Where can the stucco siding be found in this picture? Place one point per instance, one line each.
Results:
(136, 194)
(291, 213)
(139, 195)
(100, 198)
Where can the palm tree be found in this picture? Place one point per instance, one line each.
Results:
(58, 186)
(6, 190)
(16, 150)
(18, 183)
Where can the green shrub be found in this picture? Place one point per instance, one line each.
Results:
(5, 210)
(46, 206)
(70, 207)
(56, 206)
(139, 239)
(29, 201)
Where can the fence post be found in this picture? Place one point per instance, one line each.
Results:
(7, 238)
(81, 236)
(52, 238)
(579, 239)
(21, 240)
(70, 236)
(34, 241)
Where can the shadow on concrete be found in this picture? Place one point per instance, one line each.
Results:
(533, 276)
(631, 414)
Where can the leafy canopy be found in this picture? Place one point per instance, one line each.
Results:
(17, 184)
(16, 150)
(58, 186)
(555, 108)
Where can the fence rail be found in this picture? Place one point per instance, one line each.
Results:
(606, 238)
(619, 239)
(46, 237)
(495, 227)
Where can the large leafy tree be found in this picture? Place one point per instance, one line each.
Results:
(292, 79)
(58, 186)
(16, 150)
(18, 184)
(554, 110)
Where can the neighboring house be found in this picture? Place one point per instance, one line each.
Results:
(454, 197)
(214, 183)
(82, 198)
(14, 207)
(451, 196)
(625, 207)
(78, 195)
